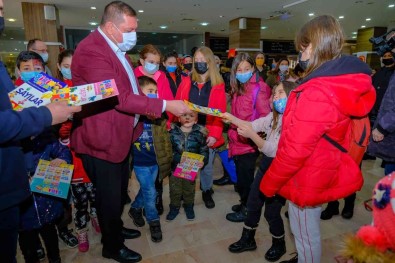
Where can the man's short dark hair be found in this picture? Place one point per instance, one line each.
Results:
(31, 43)
(25, 56)
(115, 10)
(144, 81)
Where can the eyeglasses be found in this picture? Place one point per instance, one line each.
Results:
(367, 205)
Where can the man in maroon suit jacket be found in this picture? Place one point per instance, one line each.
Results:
(105, 130)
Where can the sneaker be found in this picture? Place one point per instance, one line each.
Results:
(189, 212)
(156, 231)
(68, 238)
(137, 215)
(83, 242)
(173, 213)
(41, 254)
(95, 223)
(208, 199)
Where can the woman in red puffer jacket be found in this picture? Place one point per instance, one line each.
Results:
(308, 170)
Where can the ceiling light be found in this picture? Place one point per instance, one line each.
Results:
(93, 23)
(263, 27)
(341, 17)
(154, 33)
(354, 37)
(93, 7)
(221, 16)
(204, 24)
(163, 27)
(11, 19)
(391, 6)
(354, 33)
(363, 26)
(311, 14)
(141, 11)
(368, 19)
(11, 38)
(294, 3)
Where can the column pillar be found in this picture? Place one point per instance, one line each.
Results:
(245, 33)
(36, 26)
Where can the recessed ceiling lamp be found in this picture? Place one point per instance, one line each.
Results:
(311, 14)
(221, 16)
(391, 6)
(341, 17)
(363, 26)
(263, 27)
(93, 7)
(141, 11)
(204, 24)
(11, 19)
(354, 33)
(163, 27)
(354, 37)
(294, 3)
(368, 19)
(93, 23)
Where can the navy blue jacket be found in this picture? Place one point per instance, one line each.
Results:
(14, 126)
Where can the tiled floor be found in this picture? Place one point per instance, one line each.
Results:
(206, 239)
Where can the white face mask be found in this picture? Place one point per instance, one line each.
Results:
(129, 40)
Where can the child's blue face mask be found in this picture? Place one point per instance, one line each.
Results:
(152, 95)
(279, 105)
(28, 75)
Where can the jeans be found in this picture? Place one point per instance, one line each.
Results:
(206, 174)
(146, 175)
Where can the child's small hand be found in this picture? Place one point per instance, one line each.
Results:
(245, 130)
(227, 117)
(57, 162)
(211, 141)
(200, 164)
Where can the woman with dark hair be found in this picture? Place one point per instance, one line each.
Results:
(65, 59)
(279, 73)
(308, 170)
(261, 67)
(174, 77)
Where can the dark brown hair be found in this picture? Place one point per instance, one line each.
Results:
(114, 12)
(31, 43)
(67, 53)
(237, 87)
(25, 56)
(288, 86)
(144, 81)
(325, 35)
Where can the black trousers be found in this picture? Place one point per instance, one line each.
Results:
(256, 201)
(111, 182)
(9, 223)
(245, 168)
(28, 243)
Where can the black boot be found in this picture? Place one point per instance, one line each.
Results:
(292, 260)
(348, 210)
(224, 180)
(277, 250)
(207, 198)
(156, 231)
(331, 210)
(159, 203)
(246, 242)
(239, 216)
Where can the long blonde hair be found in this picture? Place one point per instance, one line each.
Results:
(325, 35)
(213, 73)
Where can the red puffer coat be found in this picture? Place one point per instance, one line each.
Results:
(308, 170)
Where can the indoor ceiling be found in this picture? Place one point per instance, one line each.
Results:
(186, 16)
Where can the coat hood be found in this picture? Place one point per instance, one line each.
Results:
(347, 80)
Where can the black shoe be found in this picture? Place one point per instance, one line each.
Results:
(124, 255)
(130, 233)
(224, 180)
(348, 210)
(292, 260)
(58, 260)
(246, 242)
(68, 238)
(331, 210)
(277, 250)
(173, 213)
(156, 231)
(208, 199)
(159, 203)
(189, 212)
(137, 215)
(236, 208)
(238, 217)
(41, 254)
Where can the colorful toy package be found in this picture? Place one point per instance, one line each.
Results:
(201, 109)
(189, 166)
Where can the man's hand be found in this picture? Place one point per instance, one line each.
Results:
(377, 136)
(177, 107)
(61, 112)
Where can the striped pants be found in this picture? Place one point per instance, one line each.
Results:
(305, 225)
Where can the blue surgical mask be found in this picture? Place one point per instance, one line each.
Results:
(283, 68)
(28, 75)
(274, 66)
(129, 40)
(279, 105)
(151, 68)
(244, 77)
(44, 56)
(66, 72)
(152, 95)
(171, 69)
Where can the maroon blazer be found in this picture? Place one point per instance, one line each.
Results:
(104, 129)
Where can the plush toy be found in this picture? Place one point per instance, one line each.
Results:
(375, 243)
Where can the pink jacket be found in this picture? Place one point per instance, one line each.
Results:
(249, 106)
(164, 91)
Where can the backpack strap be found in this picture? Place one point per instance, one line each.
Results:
(334, 143)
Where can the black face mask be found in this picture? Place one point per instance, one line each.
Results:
(188, 66)
(1, 24)
(201, 67)
(303, 63)
(388, 61)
